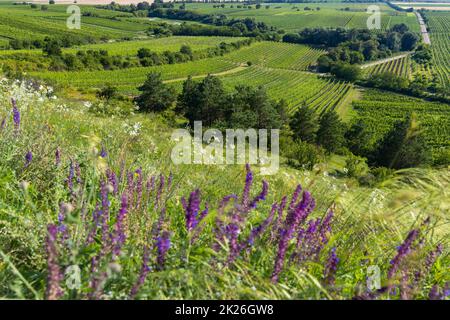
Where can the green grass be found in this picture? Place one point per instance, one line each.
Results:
(369, 223)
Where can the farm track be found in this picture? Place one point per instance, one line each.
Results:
(423, 29)
(218, 74)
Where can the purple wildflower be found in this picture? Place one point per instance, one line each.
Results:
(54, 277)
(403, 250)
(69, 179)
(103, 152)
(248, 184)
(293, 219)
(28, 158)
(112, 179)
(163, 245)
(119, 236)
(258, 230)
(192, 209)
(16, 115)
(261, 196)
(331, 267)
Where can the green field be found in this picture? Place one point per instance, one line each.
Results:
(130, 48)
(380, 110)
(275, 66)
(24, 23)
(439, 24)
(400, 67)
(293, 17)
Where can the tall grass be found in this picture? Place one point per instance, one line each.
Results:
(92, 208)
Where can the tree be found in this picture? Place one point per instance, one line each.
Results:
(409, 41)
(393, 41)
(359, 139)
(304, 124)
(404, 146)
(107, 92)
(155, 96)
(400, 28)
(52, 48)
(346, 71)
(331, 132)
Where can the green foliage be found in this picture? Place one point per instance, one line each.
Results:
(346, 71)
(404, 146)
(304, 124)
(155, 95)
(300, 154)
(331, 132)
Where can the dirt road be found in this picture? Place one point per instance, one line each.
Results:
(423, 29)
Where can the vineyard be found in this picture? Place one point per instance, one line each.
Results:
(275, 66)
(380, 110)
(130, 48)
(400, 67)
(439, 25)
(292, 17)
(25, 23)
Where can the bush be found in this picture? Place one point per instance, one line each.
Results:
(300, 154)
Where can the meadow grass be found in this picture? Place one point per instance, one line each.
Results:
(49, 203)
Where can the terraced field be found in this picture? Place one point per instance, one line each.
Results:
(400, 67)
(380, 110)
(439, 26)
(292, 17)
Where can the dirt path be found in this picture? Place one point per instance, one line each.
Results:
(371, 64)
(423, 29)
(223, 73)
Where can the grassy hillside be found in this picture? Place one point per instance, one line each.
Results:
(65, 196)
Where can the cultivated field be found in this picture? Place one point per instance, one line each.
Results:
(292, 17)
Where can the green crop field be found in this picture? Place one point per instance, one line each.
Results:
(25, 23)
(292, 17)
(439, 26)
(379, 110)
(130, 48)
(400, 67)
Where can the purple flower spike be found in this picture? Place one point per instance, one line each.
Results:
(28, 158)
(248, 184)
(403, 250)
(163, 245)
(119, 232)
(54, 277)
(16, 115)
(261, 196)
(192, 209)
(103, 152)
(331, 267)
